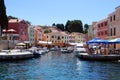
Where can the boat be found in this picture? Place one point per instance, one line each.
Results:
(35, 52)
(15, 54)
(65, 50)
(98, 57)
(54, 49)
(79, 48)
(70, 49)
(45, 49)
(41, 51)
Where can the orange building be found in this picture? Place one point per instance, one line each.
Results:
(38, 34)
(102, 30)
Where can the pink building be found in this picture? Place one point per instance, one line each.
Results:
(102, 30)
(21, 28)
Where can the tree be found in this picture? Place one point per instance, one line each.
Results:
(86, 27)
(60, 26)
(74, 26)
(67, 25)
(3, 16)
(53, 24)
(28, 22)
(11, 17)
(47, 31)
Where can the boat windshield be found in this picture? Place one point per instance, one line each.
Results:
(79, 47)
(83, 52)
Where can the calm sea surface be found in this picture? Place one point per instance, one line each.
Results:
(58, 66)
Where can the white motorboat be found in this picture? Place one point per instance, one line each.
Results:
(64, 50)
(78, 48)
(41, 51)
(15, 54)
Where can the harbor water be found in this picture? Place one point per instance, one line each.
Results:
(59, 66)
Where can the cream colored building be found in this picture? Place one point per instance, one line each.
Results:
(114, 24)
(31, 32)
(79, 37)
(93, 30)
(57, 37)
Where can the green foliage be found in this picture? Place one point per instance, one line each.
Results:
(28, 22)
(74, 26)
(3, 16)
(53, 24)
(47, 31)
(11, 17)
(60, 26)
(86, 27)
(67, 25)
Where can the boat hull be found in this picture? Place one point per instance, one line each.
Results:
(98, 57)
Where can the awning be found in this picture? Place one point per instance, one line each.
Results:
(20, 44)
(26, 41)
(44, 42)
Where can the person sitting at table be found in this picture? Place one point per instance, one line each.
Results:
(99, 49)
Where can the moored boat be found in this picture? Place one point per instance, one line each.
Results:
(16, 54)
(65, 50)
(98, 57)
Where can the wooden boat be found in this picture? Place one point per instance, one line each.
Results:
(98, 57)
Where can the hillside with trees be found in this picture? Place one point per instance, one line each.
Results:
(73, 26)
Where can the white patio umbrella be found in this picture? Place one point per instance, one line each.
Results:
(20, 44)
(11, 30)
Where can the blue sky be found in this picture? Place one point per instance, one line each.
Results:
(47, 12)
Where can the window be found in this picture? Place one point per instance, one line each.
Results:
(114, 31)
(111, 32)
(98, 25)
(58, 37)
(98, 33)
(114, 17)
(101, 33)
(105, 23)
(105, 32)
(52, 36)
(101, 24)
(111, 19)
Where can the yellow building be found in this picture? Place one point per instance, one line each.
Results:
(79, 37)
(58, 38)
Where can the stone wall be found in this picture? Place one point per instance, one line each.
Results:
(6, 44)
